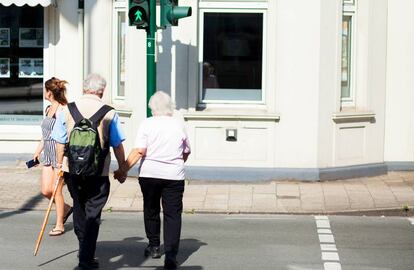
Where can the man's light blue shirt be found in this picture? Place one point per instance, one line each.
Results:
(60, 134)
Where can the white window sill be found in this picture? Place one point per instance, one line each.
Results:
(20, 133)
(355, 116)
(231, 116)
(122, 110)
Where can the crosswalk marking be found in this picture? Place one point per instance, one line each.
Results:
(332, 266)
(326, 238)
(323, 224)
(329, 251)
(330, 256)
(326, 231)
(328, 247)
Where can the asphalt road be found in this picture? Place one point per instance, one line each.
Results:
(283, 242)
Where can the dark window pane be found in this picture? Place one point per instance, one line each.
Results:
(232, 56)
(21, 61)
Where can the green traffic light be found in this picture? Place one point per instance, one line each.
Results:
(138, 16)
(139, 13)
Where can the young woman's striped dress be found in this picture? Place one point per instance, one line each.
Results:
(49, 149)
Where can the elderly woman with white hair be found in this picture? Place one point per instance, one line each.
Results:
(162, 146)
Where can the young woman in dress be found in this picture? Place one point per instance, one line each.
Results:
(46, 152)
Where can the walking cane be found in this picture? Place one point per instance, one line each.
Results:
(49, 208)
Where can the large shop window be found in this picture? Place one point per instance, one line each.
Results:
(21, 64)
(231, 56)
(347, 57)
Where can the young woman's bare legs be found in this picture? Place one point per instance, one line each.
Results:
(48, 179)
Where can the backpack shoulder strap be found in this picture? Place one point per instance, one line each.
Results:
(74, 111)
(97, 117)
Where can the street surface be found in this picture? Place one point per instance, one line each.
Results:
(283, 242)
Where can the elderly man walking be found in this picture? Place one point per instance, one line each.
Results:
(82, 123)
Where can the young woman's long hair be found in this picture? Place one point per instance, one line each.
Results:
(58, 89)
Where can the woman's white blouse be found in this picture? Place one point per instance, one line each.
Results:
(165, 139)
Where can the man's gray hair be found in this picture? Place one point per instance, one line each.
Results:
(94, 84)
(161, 104)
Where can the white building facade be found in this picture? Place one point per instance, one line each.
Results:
(269, 89)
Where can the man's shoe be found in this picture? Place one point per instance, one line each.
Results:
(170, 263)
(93, 264)
(154, 252)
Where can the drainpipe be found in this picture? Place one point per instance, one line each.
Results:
(81, 31)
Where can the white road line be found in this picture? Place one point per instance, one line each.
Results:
(332, 266)
(411, 220)
(259, 218)
(329, 252)
(326, 238)
(326, 231)
(323, 224)
(330, 256)
(328, 247)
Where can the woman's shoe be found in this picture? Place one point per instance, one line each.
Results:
(56, 232)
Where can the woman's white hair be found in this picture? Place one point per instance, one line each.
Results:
(94, 84)
(161, 104)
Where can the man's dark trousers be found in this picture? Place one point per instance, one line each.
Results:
(89, 196)
(171, 193)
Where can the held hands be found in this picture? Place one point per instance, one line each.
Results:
(120, 175)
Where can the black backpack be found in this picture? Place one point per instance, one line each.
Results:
(85, 154)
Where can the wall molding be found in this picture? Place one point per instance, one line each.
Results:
(240, 174)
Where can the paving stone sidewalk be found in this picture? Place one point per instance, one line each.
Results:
(20, 190)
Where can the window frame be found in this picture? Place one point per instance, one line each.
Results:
(350, 10)
(231, 7)
(118, 7)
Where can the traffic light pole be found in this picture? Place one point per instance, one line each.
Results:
(143, 15)
(151, 65)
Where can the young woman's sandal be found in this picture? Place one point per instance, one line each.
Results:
(56, 232)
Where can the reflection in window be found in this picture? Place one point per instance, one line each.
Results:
(21, 63)
(232, 56)
(121, 54)
(346, 57)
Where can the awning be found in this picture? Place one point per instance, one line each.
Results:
(32, 3)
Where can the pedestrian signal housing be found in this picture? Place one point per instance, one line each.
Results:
(139, 13)
(171, 12)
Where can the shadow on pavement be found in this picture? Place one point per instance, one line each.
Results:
(128, 253)
(57, 258)
(28, 205)
(187, 248)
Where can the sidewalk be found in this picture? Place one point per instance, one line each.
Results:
(20, 190)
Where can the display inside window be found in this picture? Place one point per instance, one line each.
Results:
(4, 68)
(21, 64)
(31, 37)
(232, 56)
(5, 37)
(30, 67)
